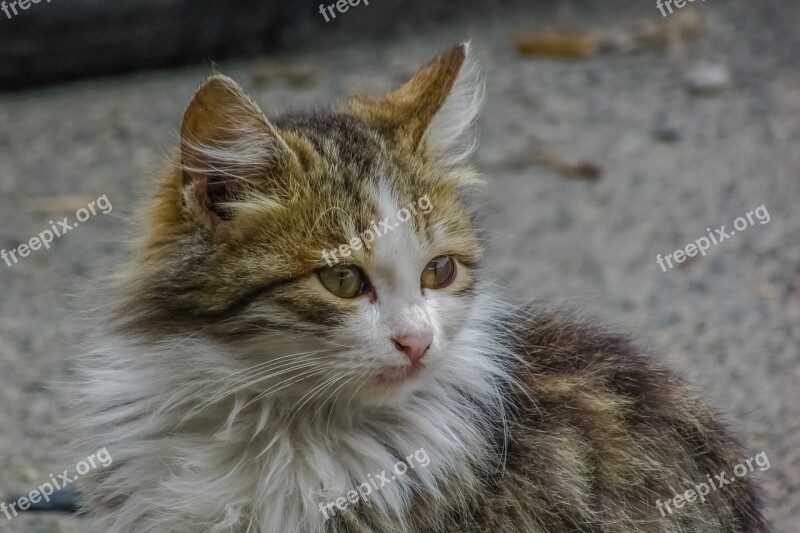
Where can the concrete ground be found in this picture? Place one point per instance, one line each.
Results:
(674, 163)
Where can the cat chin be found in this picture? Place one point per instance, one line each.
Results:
(393, 393)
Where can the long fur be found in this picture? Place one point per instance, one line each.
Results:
(238, 464)
(236, 394)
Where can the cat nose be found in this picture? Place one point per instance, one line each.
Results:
(414, 346)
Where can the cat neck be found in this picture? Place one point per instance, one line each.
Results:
(282, 468)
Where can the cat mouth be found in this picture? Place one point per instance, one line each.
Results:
(396, 377)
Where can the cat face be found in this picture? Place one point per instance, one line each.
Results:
(329, 255)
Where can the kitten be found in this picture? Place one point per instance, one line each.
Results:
(249, 381)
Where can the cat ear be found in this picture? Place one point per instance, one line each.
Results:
(435, 111)
(227, 147)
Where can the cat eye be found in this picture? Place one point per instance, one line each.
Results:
(345, 281)
(439, 273)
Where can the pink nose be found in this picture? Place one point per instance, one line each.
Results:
(414, 346)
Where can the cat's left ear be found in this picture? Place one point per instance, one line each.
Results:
(435, 111)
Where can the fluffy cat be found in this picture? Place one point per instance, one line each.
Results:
(245, 382)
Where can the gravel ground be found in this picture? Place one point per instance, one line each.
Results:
(674, 164)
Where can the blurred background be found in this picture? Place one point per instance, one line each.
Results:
(611, 134)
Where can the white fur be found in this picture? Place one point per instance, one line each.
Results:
(203, 442)
(452, 136)
(247, 152)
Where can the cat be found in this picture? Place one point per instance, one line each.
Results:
(244, 383)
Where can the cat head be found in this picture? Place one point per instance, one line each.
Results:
(324, 253)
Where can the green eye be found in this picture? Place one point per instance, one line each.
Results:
(439, 273)
(343, 280)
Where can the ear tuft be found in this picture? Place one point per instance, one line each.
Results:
(435, 111)
(453, 135)
(227, 147)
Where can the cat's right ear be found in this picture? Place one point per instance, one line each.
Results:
(228, 147)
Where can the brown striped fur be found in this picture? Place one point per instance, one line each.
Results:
(534, 422)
